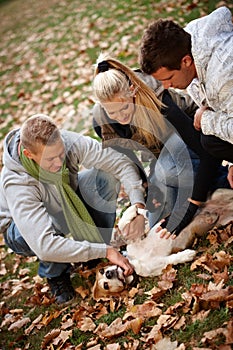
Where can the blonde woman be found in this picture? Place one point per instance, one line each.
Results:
(134, 113)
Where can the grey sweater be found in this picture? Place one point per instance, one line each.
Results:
(35, 206)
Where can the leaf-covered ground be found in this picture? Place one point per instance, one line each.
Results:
(47, 52)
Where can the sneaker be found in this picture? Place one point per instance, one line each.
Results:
(61, 288)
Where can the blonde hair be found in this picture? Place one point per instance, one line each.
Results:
(38, 129)
(117, 81)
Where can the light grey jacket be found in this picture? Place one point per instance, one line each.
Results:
(35, 207)
(212, 50)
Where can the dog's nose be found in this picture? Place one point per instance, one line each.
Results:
(109, 274)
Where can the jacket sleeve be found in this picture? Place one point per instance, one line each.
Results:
(90, 153)
(33, 221)
(220, 122)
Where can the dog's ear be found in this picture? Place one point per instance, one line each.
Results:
(95, 291)
(132, 280)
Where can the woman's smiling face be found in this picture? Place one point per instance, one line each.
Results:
(120, 109)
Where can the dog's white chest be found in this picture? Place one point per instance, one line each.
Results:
(149, 256)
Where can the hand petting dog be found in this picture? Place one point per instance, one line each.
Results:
(117, 258)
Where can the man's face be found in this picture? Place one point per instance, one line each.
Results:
(179, 79)
(49, 157)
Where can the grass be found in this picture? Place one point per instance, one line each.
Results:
(48, 48)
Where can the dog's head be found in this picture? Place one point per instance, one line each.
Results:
(110, 280)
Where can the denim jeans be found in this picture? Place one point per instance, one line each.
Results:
(99, 192)
(172, 178)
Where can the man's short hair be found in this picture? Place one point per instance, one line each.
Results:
(38, 129)
(164, 44)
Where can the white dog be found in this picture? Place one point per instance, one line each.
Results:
(150, 255)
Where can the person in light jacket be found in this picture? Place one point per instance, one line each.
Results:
(199, 58)
(45, 199)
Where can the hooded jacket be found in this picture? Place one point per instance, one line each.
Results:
(212, 50)
(35, 207)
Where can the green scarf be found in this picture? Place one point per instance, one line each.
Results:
(79, 221)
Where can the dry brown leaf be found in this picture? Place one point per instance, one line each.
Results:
(208, 336)
(115, 346)
(136, 325)
(133, 292)
(167, 321)
(96, 347)
(165, 285)
(204, 261)
(219, 276)
(154, 335)
(19, 323)
(229, 335)
(156, 293)
(173, 308)
(169, 274)
(166, 344)
(86, 324)
(180, 323)
(60, 340)
(49, 337)
(35, 323)
(116, 328)
(201, 315)
(218, 295)
(102, 311)
(67, 324)
(198, 289)
(83, 292)
(146, 310)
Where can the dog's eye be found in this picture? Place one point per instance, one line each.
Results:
(106, 286)
(109, 274)
(101, 271)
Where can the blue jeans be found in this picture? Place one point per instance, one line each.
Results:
(99, 192)
(172, 178)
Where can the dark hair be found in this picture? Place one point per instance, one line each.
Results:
(164, 44)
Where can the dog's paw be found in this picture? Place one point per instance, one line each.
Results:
(127, 217)
(189, 254)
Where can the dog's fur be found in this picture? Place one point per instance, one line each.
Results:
(152, 254)
(110, 280)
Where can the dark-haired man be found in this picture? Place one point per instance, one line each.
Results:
(199, 58)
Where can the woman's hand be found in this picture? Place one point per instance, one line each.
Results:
(164, 233)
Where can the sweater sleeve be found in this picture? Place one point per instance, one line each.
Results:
(33, 221)
(90, 153)
(219, 124)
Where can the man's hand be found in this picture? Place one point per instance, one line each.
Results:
(198, 116)
(135, 229)
(230, 176)
(117, 258)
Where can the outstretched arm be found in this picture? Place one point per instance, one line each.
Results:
(117, 258)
